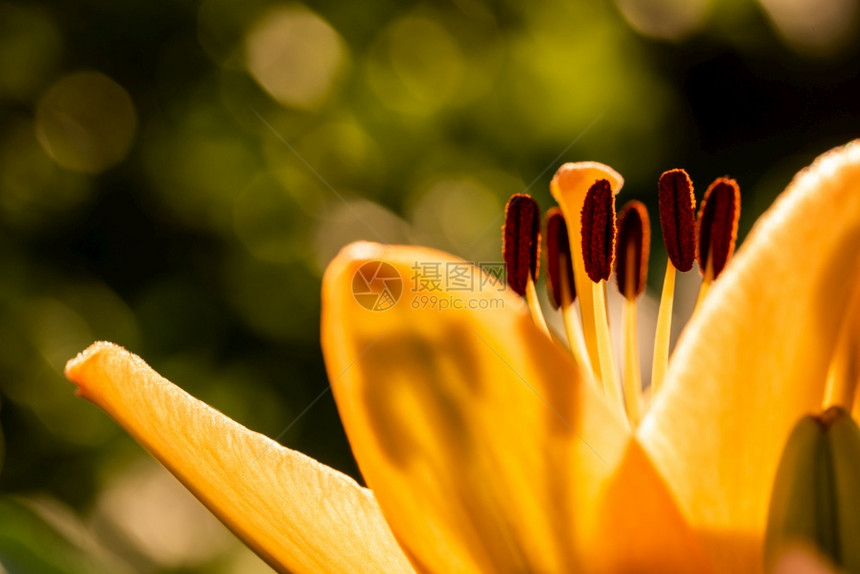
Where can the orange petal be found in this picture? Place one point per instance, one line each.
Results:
(485, 448)
(754, 358)
(297, 514)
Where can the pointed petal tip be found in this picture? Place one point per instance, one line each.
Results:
(76, 367)
(354, 255)
(838, 163)
(829, 162)
(74, 364)
(827, 169)
(360, 250)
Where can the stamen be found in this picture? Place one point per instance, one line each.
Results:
(717, 231)
(558, 257)
(718, 225)
(598, 252)
(521, 250)
(521, 241)
(534, 306)
(573, 330)
(561, 286)
(634, 241)
(598, 230)
(662, 337)
(632, 375)
(678, 222)
(631, 272)
(678, 217)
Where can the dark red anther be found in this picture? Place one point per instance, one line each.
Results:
(718, 224)
(558, 258)
(678, 217)
(598, 230)
(633, 248)
(521, 241)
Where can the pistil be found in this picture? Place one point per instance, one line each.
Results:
(521, 250)
(631, 271)
(569, 187)
(678, 223)
(598, 250)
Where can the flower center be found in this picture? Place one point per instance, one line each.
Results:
(602, 245)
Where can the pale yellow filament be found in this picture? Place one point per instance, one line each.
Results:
(706, 280)
(608, 374)
(534, 306)
(586, 305)
(664, 331)
(632, 376)
(572, 327)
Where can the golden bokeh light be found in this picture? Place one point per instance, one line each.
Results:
(814, 27)
(160, 518)
(295, 56)
(665, 19)
(86, 122)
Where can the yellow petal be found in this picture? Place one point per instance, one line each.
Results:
(485, 449)
(569, 186)
(297, 514)
(754, 358)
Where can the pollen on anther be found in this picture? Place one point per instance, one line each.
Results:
(718, 224)
(521, 241)
(558, 258)
(598, 230)
(633, 248)
(678, 217)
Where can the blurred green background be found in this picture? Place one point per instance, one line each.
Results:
(174, 177)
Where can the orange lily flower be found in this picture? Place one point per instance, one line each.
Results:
(487, 448)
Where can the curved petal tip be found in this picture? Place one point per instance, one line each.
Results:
(76, 368)
(580, 175)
